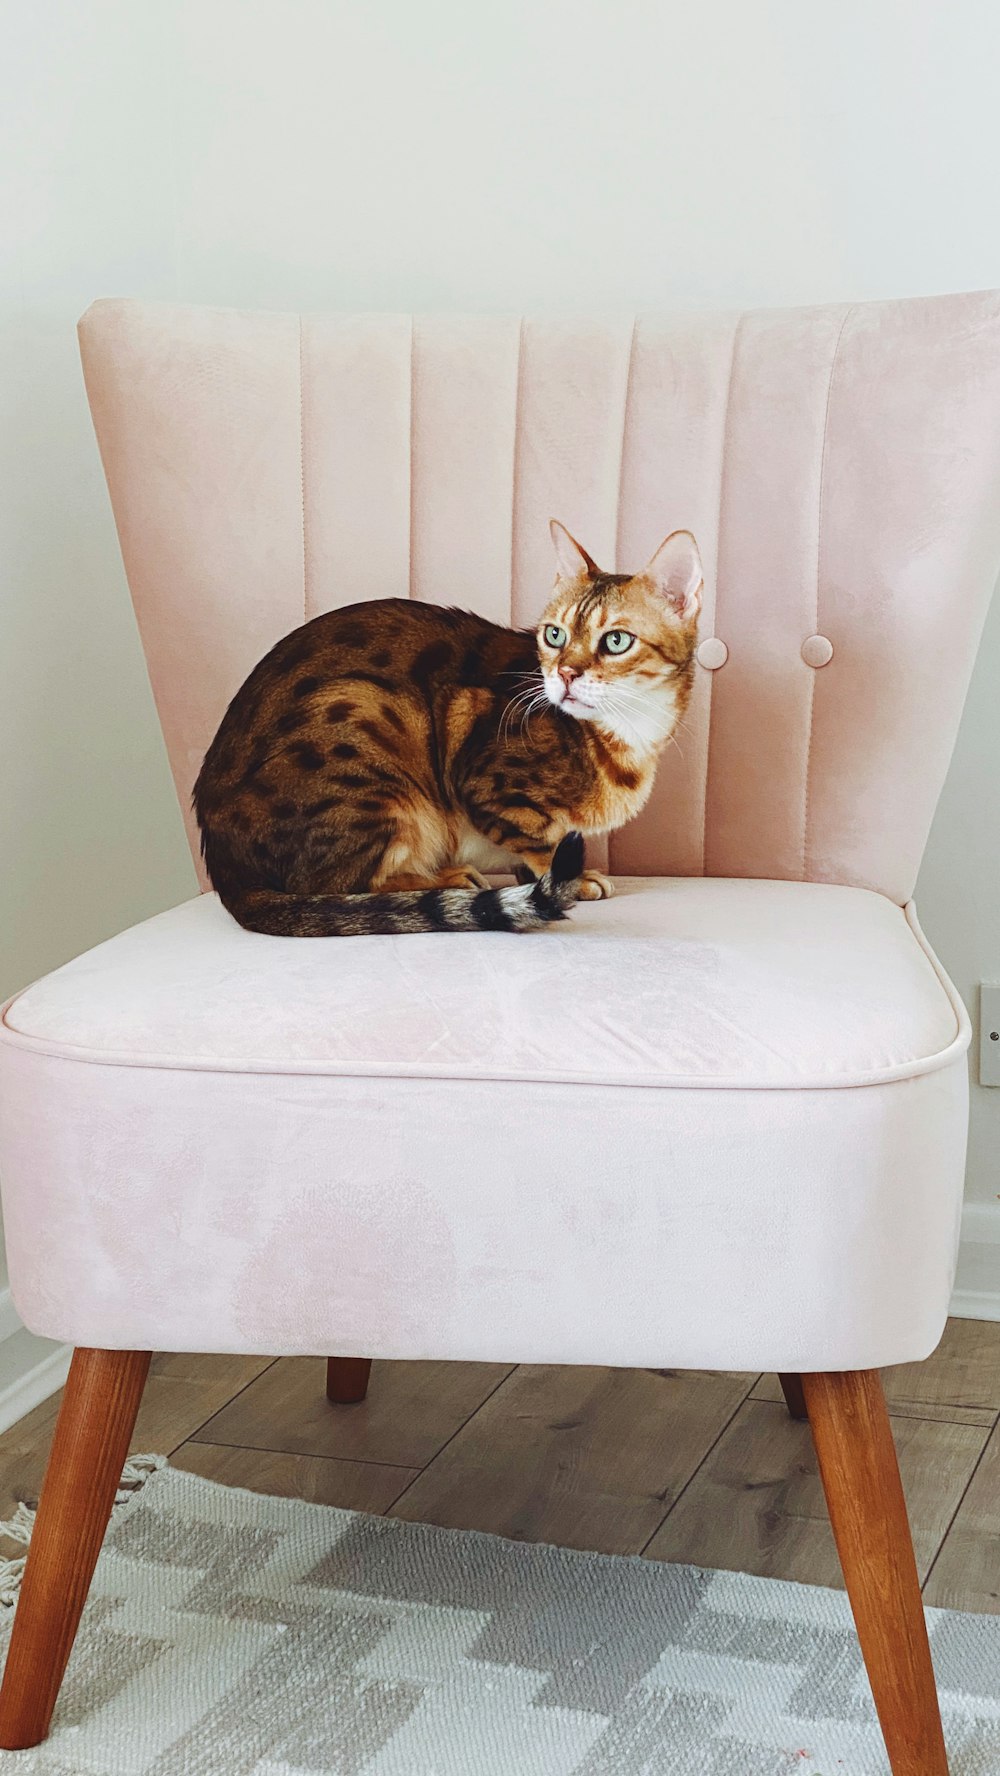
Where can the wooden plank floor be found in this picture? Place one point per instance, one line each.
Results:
(706, 1468)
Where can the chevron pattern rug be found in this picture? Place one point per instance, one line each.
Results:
(230, 1634)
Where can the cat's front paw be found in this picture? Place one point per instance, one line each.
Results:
(594, 886)
(463, 876)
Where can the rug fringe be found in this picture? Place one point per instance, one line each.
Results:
(20, 1527)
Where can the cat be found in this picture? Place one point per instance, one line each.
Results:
(383, 755)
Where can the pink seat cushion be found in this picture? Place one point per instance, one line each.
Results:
(674, 982)
(578, 1147)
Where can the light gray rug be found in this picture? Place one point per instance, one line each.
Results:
(230, 1634)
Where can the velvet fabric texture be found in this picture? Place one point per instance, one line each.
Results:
(716, 1122)
(718, 1119)
(839, 467)
(769, 985)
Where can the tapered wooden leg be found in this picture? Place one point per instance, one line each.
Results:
(347, 1379)
(795, 1400)
(857, 1460)
(91, 1442)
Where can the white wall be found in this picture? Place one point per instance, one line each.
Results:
(507, 153)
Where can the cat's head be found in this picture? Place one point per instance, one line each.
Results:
(618, 649)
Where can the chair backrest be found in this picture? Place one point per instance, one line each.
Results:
(840, 467)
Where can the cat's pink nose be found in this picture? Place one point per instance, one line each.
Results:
(568, 674)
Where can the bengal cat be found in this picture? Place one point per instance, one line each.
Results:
(383, 755)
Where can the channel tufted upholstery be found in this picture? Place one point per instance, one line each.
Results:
(839, 467)
(717, 1122)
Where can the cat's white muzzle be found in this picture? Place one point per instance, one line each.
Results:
(643, 722)
(579, 699)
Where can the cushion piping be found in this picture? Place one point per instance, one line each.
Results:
(541, 1076)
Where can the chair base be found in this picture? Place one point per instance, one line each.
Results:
(347, 1379)
(795, 1400)
(857, 1460)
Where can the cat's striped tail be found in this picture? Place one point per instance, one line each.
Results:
(525, 908)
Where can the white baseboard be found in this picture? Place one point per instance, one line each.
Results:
(44, 1378)
(31, 1369)
(977, 1285)
(9, 1321)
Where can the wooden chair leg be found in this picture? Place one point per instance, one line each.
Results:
(795, 1400)
(857, 1461)
(347, 1379)
(91, 1442)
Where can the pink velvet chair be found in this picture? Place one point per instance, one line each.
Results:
(716, 1122)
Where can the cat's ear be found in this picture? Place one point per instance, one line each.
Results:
(676, 573)
(571, 560)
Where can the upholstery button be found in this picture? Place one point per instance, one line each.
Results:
(817, 650)
(712, 653)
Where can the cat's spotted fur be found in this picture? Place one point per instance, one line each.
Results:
(383, 755)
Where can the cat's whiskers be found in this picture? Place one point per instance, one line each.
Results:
(530, 681)
(515, 703)
(540, 700)
(618, 701)
(524, 698)
(611, 704)
(679, 724)
(636, 701)
(622, 695)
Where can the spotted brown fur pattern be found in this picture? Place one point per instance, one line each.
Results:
(383, 755)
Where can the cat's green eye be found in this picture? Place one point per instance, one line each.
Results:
(617, 641)
(555, 636)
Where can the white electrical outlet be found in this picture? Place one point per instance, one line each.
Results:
(989, 1034)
